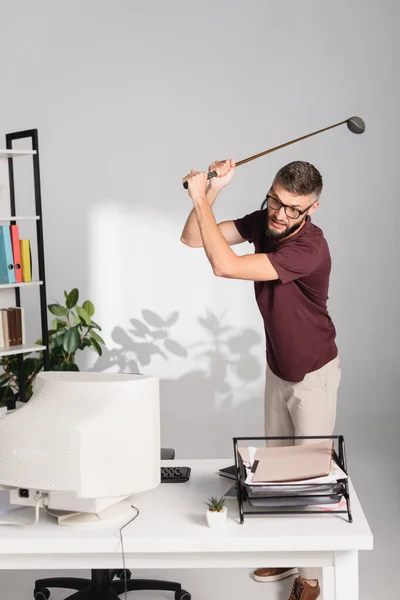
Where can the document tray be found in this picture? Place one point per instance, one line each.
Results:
(295, 501)
(325, 489)
(285, 498)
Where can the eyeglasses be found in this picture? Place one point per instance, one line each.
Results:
(275, 204)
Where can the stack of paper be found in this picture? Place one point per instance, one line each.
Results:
(289, 475)
(288, 464)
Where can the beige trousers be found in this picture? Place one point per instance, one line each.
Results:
(306, 408)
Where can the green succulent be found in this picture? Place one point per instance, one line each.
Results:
(216, 504)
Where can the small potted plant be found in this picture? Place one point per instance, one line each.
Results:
(217, 511)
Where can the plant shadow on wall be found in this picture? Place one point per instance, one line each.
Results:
(220, 384)
(145, 339)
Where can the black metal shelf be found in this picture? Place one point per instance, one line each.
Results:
(32, 135)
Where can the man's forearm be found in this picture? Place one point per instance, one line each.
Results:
(191, 233)
(219, 253)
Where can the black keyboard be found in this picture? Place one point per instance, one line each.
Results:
(175, 474)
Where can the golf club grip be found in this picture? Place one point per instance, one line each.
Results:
(210, 175)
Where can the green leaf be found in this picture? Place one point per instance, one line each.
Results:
(4, 378)
(58, 323)
(76, 318)
(72, 298)
(68, 366)
(95, 325)
(57, 349)
(83, 315)
(65, 294)
(12, 367)
(96, 346)
(6, 393)
(216, 504)
(30, 366)
(72, 340)
(57, 338)
(9, 360)
(89, 307)
(55, 361)
(58, 310)
(96, 337)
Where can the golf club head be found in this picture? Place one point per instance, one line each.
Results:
(356, 125)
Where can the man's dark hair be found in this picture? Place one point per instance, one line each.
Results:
(300, 178)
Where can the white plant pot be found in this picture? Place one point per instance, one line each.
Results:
(216, 519)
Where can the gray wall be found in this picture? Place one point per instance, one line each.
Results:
(127, 97)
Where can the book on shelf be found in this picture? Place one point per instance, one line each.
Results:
(26, 260)
(15, 256)
(16, 248)
(7, 271)
(12, 326)
(5, 340)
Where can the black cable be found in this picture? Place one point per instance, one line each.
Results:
(122, 547)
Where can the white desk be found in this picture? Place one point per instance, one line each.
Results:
(171, 532)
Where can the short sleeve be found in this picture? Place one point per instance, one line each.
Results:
(247, 226)
(294, 260)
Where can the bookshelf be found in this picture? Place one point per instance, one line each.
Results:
(10, 294)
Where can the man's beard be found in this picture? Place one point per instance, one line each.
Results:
(280, 235)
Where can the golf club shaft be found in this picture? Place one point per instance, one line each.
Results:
(212, 174)
(246, 160)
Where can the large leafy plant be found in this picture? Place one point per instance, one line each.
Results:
(72, 329)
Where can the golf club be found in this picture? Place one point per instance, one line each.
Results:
(355, 124)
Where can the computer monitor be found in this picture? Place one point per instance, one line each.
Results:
(86, 441)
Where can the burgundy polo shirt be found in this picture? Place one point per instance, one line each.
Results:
(300, 335)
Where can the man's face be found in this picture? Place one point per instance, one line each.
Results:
(279, 224)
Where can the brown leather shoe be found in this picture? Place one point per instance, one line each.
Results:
(302, 590)
(269, 575)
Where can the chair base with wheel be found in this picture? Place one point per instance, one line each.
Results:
(102, 587)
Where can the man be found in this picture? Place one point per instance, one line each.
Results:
(290, 269)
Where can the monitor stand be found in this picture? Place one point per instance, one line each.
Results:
(117, 512)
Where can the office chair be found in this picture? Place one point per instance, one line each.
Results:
(102, 585)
